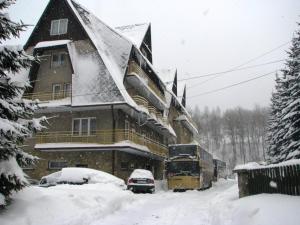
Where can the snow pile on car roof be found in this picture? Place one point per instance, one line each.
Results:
(140, 173)
(78, 175)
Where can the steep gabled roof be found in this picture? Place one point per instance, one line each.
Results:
(113, 48)
(168, 77)
(135, 33)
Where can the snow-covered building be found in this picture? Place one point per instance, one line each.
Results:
(108, 108)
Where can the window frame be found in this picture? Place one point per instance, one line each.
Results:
(80, 126)
(59, 63)
(59, 21)
(53, 90)
(66, 92)
(56, 161)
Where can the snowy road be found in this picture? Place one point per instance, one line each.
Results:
(107, 204)
(168, 208)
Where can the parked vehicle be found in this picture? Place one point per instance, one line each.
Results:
(220, 170)
(141, 180)
(75, 175)
(189, 167)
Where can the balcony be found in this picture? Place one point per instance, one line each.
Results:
(138, 78)
(105, 138)
(154, 114)
(47, 96)
(139, 100)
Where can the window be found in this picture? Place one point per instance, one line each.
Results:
(57, 164)
(67, 90)
(82, 165)
(59, 27)
(56, 91)
(28, 167)
(127, 127)
(93, 126)
(124, 165)
(58, 59)
(84, 126)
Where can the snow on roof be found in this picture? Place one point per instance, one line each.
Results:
(185, 118)
(167, 76)
(255, 165)
(135, 32)
(55, 103)
(113, 48)
(46, 44)
(92, 83)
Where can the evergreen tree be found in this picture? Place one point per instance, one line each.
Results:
(16, 122)
(291, 113)
(284, 126)
(275, 136)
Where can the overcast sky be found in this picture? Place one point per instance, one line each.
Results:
(200, 37)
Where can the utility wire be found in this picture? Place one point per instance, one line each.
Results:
(228, 71)
(243, 68)
(233, 85)
(236, 68)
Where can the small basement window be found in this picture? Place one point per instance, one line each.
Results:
(59, 27)
(82, 165)
(124, 165)
(57, 164)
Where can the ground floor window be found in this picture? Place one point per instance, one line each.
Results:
(57, 164)
(124, 165)
(82, 165)
(84, 126)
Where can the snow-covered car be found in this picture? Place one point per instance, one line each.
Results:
(141, 181)
(75, 175)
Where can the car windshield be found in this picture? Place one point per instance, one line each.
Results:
(184, 168)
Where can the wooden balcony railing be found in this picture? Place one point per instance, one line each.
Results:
(105, 137)
(47, 96)
(140, 101)
(135, 68)
(152, 110)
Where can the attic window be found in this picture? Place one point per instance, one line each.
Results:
(59, 27)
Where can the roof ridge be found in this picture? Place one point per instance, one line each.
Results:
(135, 24)
(104, 23)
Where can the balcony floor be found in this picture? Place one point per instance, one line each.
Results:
(124, 146)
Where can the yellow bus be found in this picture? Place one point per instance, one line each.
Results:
(189, 167)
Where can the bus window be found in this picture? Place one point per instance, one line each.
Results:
(183, 168)
(180, 150)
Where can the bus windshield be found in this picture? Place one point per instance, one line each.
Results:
(182, 150)
(187, 168)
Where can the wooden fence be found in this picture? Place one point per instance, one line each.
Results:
(283, 179)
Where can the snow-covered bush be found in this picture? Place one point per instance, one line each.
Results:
(16, 114)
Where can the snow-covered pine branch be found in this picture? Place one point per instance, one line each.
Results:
(16, 114)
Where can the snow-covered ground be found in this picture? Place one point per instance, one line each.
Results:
(97, 204)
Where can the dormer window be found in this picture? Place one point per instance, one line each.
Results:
(59, 27)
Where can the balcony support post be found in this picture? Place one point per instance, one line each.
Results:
(113, 153)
